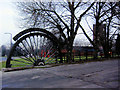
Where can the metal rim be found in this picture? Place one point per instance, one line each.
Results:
(33, 49)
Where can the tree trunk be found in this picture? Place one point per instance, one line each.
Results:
(95, 52)
(69, 55)
(107, 44)
(106, 51)
(60, 53)
(60, 57)
(71, 32)
(69, 51)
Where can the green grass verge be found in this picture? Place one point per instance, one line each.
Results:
(2, 64)
(18, 64)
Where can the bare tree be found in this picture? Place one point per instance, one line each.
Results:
(118, 45)
(62, 18)
(102, 13)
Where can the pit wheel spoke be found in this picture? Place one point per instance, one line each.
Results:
(31, 50)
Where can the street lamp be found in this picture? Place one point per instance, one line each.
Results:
(10, 39)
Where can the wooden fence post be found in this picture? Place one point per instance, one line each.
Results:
(79, 56)
(86, 54)
(73, 56)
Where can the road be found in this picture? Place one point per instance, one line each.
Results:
(100, 74)
(3, 59)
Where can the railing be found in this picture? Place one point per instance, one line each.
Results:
(81, 56)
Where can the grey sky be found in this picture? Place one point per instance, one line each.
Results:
(9, 22)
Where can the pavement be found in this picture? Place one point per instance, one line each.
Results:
(100, 74)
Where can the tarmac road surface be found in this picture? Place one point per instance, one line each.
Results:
(100, 74)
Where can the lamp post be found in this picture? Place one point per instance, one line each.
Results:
(10, 39)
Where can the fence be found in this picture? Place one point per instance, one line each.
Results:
(81, 56)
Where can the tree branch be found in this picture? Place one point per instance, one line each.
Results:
(77, 5)
(78, 20)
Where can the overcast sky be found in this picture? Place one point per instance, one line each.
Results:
(9, 18)
(8, 21)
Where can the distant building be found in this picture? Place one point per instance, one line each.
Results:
(83, 48)
(80, 49)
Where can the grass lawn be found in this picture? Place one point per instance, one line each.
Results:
(14, 63)
(21, 64)
(2, 64)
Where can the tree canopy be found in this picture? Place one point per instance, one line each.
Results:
(64, 19)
